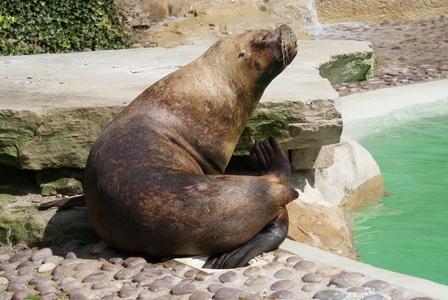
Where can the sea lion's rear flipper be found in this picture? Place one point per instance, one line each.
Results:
(65, 203)
(270, 160)
(268, 239)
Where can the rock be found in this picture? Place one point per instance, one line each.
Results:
(305, 265)
(326, 194)
(355, 66)
(285, 284)
(46, 267)
(329, 295)
(61, 181)
(228, 277)
(42, 254)
(227, 293)
(312, 158)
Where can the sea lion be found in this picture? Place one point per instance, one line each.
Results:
(153, 180)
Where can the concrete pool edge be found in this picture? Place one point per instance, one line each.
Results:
(361, 107)
(430, 288)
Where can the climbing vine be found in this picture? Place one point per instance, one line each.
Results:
(48, 26)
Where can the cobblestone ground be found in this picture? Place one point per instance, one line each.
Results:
(276, 275)
(409, 51)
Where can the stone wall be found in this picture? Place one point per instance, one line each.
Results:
(145, 13)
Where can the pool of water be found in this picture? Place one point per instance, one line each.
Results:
(408, 231)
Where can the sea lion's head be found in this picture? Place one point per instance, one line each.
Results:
(255, 57)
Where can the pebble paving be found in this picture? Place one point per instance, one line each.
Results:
(80, 274)
(408, 51)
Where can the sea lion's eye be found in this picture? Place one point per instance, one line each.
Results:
(242, 52)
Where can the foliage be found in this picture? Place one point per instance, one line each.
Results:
(47, 26)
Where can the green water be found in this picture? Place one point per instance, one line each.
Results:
(408, 231)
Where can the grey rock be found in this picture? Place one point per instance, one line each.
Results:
(47, 290)
(42, 254)
(160, 285)
(329, 295)
(25, 270)
(70, 285)
(283, 273)
(256, 280)
(95, 277)
(305, 265)
(377, 284)
(283, 294)
(99, 285)
(80, 267)
(145, 295)
(200, 295)
(285, 284)
(127, 273)
(36, 280)
(339, 282)
(228, 277)
(374, 297)
(294, 259)
(20, 257)
(134, 262)
(116, 260)
(182, 289)
(7, 267)
(79, 297)
(147, 274)
(251, 271)
(49, 296)
(312, 278)
(212, 288)
(44, 284)
(69, 261)
(127, 291)
(20, 295)
(15, 286)
(166, 297)
(227, 293)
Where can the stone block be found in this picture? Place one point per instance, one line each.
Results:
(53, 106)
(312, 158)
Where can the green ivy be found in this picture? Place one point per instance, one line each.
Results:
(49, 26)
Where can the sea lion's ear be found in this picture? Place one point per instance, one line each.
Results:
(241, 54)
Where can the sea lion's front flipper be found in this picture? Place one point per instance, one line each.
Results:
(269, 159)
(268, 239)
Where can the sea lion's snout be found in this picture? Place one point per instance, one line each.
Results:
(288, 43)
